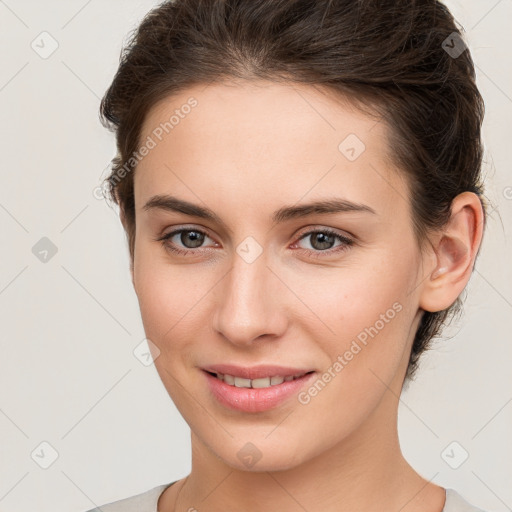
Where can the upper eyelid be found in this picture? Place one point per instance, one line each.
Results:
(300, 235)
(177, 230)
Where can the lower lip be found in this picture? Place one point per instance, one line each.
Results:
(255, 399)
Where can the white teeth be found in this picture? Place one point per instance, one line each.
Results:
(242, 383)
(264, 382)
(228, 379)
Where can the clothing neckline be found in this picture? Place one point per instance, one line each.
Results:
(452, 497)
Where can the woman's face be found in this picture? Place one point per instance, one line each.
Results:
(258, 288)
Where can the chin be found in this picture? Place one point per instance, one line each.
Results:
(258, 454)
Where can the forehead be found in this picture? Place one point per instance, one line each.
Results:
(254, 140)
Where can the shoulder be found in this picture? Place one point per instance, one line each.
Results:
(144, 502)
(456, 503)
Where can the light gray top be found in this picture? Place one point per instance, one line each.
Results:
(147, 502)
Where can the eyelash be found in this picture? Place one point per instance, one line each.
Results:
(346, 242)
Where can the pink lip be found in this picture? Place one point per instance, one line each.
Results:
(255, 372)
(254, 399)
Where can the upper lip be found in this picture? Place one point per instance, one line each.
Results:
(255, 372)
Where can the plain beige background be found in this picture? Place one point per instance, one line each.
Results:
(69, 377)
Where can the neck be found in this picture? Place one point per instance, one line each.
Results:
(365, 472)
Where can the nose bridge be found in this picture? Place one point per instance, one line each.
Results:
(247, 306)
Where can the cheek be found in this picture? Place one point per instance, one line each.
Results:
(160, 292)
(172, 300)
(369, 313)
(367, 310)
(163, 304)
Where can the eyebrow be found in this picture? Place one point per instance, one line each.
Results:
(286, 213)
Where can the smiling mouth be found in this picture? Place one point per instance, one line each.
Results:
(264, 382)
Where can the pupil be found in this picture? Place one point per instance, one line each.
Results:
(323, 239)
(196, 238)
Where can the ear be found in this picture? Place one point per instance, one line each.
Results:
(122, 216)
(455, 248)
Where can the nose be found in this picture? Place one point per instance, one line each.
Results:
(250, 302)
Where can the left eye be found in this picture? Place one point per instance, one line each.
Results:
(321, 241)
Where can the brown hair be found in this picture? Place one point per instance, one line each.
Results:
(396, 56)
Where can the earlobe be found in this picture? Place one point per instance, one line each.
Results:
(455, 252)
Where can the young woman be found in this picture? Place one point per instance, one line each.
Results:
(299, 182)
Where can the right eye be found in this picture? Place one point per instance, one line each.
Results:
(191, 239)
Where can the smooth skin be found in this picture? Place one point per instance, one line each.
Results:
(246, 150)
